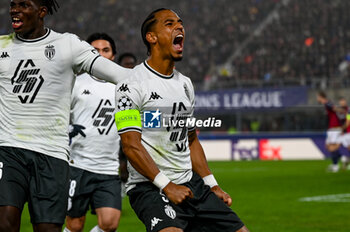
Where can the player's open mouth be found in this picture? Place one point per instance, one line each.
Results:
(178, 43)
(16, 23)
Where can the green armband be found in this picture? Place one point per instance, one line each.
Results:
(348, 117)
(127, 118)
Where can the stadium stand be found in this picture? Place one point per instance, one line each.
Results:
(232, 43)
(303, 41)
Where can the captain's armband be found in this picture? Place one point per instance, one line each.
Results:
(128, 120)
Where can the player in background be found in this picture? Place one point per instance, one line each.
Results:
(94, 164)
(334, 132)
(170, 185)
(37, 73)
(346, 130)
(127, 60)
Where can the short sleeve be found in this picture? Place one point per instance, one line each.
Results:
(84, 55)
(128, 104)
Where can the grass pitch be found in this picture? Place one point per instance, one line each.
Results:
(280, 196)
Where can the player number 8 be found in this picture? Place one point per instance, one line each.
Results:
(1, 166)
(73, 184)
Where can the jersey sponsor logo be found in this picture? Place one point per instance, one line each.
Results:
(152, 119)
(86, 92)
(27, 81)
(170, 211)
(154, 96)
(4, 55)
(124, 88)
(103, 117)
(155, 221)
(124, 103)
(50, 52)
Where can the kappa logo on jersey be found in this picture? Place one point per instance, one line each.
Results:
(155, 222)
(27, 81)
(4, 55)
(124, 103)
(124, 88)
(50, 52)
(86, 92)
(103, 117)
(154, 96)
(152, 119)
(170, 211)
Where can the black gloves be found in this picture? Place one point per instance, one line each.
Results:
(76, 129)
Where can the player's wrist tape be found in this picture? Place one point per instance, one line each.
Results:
(210, 180)
(161, 181)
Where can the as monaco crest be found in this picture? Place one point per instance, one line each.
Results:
(50, 52)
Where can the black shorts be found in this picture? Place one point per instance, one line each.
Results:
(37, 178)
(91, 189)
(204, 213)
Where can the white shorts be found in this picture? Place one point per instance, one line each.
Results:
(346, 140)
(334, 136)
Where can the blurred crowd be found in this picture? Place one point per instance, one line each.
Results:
(214, 28)
(306, 39)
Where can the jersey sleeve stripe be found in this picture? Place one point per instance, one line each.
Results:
(92, 64)
(128, 129)
(191, 128)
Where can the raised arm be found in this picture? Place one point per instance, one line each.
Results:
(86, 58)
(109, 71)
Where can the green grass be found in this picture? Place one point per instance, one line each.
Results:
(266, 197)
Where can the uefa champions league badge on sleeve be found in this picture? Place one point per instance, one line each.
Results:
(152, 119)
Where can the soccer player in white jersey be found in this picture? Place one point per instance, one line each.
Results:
(37, 72)
(94, 179)
(170, 185)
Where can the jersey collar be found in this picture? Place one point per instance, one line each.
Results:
(48, 31)
(157, 73)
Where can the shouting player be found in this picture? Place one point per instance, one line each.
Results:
(170, 185)
(333, 140)
(94, 178)
(37, 72)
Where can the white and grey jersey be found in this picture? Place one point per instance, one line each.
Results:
(92, 106)
(36, 80)
(157, 96)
